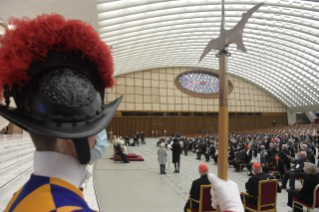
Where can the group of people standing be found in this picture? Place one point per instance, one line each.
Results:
(207, 146)
(137, 137)
(176, 149)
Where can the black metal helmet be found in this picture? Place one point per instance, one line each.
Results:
(60, 93)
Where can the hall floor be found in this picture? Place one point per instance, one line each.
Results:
(138, 186)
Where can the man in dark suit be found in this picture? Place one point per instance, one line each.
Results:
(305, 193)
(309, 152)
(291, 149)
(176, 151)
(305, 137)
(285, 149)
(142, 137)
(249, 152)
(253, 183)
(135, 139)
(185, 145)
(240, 158)
(272, 149)
(127, 140)
(211, 152)
(195, 189)
(295, 172)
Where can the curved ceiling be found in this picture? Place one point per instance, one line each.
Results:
(282, 39)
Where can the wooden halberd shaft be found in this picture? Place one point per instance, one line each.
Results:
(223, 118)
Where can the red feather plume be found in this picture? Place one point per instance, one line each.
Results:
(31, 39)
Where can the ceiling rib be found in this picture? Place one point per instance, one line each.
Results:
(282, 40)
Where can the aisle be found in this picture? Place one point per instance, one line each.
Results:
(133, 187)
(138, 186)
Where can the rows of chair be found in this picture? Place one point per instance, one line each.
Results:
(297, 129)
(266, 200)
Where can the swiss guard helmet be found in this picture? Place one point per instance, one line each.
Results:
(56, 70)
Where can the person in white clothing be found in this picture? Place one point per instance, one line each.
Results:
(255, 159)
(124, 147)
(225, 195)
(120, 139)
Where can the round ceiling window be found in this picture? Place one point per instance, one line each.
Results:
(200, 83)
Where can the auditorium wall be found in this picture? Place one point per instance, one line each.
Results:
(191, 124)
(154, 90)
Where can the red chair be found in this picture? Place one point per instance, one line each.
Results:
(309, 207)
(205, 201)
(267, 197)
(277, 159)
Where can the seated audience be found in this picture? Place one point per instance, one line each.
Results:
(280, 164)
(262, 152)
(215, 156)
(231, 154)
(278, 149)
(285, 159)
(249, 151)
(271, 164)
(240, 157)
(291, 149)
(195, 189)
(255, 159)
(284, 149)
(305, 194)
(201, 149)
(295, 172)
(272, 148)
(211, 152)
(253, 184)
(162, 157)
(309, 152)
(267, 156)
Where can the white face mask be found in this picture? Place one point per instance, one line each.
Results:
(99, 149)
